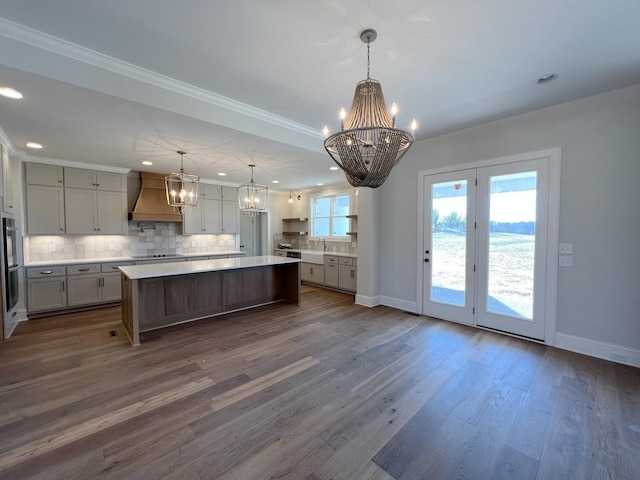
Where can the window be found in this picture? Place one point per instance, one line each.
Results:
(329, 216)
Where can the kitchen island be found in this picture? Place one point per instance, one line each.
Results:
(158, 295)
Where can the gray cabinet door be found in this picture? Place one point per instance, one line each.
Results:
(331, 277)
(79, 209)
(212, 216)
(84, 289)
(111, 210)
(348, 278)
(46, 294)
(41, 174)
(45, 210)
(111, 287)
(230, 217)
(192, 220)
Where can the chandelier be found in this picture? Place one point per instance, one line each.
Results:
(368, 145)
(182, 188)
(252, 197)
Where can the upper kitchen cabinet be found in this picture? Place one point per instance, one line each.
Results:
(95, 212)
(206, 216)
(94, 180)
(230, 210)
(95, 202)
(8, 205)
(74, 201)
(41, 174)
(44, 206)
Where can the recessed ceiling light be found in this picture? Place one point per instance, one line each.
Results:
(221, 174)
(549, 77)
(333, 168)
(275, 181)
(319, 184)
(147, 162)
(35, 145)
(10, 92)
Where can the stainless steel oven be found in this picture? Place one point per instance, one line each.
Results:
(10, 234)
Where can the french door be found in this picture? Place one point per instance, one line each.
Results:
(485, 246)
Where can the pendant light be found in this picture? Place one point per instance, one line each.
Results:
(182, 188)
(368, 145)
(252, 197)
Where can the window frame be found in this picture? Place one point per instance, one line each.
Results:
(312, 218)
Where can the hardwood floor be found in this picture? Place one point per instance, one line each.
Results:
(324, 390)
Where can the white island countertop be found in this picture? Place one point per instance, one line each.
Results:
(154, 270)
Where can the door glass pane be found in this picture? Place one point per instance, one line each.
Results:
(449, 239)
(512, 217)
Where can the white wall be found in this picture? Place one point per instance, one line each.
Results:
(599, 298)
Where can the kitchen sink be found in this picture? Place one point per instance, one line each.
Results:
(313, 257)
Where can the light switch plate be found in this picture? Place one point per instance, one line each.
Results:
(565, 261)
(52, 247)
(565, 249)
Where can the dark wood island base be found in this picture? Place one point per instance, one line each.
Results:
(160, 295)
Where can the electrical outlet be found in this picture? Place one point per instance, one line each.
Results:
(193, 243)
(565, 249)
(232, 242)
(565, 261)
(52, 247)
(112, 246)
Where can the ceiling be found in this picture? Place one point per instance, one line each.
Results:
(254, 81)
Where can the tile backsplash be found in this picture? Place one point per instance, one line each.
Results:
(303, 243)
(143, 238)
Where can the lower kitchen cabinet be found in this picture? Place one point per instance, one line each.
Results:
(312, 272)
(111, 287)
(45, 294)
(340, 272)
(331, 276)
(347, 278)
(74, 286)
(84, 290)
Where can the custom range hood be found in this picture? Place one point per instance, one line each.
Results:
(151, 205)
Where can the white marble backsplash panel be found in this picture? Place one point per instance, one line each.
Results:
(146, 238)
(303, 243)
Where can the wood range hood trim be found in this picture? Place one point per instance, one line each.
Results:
(151, 205)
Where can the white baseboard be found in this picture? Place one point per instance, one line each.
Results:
(405, 305)
(607, 351)
(367, 301)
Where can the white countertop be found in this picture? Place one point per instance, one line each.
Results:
(154, 270)
(80, 261)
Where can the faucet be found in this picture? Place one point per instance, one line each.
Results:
(324, 244)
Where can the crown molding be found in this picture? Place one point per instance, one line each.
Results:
(76, 52)
(70, 163)
(4, 140)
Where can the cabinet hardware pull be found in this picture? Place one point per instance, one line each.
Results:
(84, 269)
(46, 272)
(63, 285)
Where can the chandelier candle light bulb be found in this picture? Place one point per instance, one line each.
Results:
(368, 145)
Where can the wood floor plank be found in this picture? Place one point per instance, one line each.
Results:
(322, 390)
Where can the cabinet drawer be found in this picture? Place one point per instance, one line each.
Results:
(346, 261)
(46, 272)
(113, 267)
(83, 269)
(331, 259)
